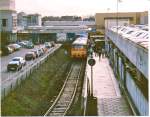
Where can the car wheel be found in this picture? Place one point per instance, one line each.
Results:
(17, 69)
(25, 64)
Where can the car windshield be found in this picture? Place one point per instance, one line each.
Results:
(16, 59)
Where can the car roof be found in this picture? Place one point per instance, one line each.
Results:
(18, 58)
(30, 52)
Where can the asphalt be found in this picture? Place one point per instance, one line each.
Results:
(5, 75)
(110, 102)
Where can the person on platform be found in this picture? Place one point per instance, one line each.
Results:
(103, 52)
(99, 53)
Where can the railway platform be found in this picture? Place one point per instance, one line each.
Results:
(106, 90)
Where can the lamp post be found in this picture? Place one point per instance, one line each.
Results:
(107, 17)
(118, 1)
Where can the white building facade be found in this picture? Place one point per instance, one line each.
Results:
(8, 20)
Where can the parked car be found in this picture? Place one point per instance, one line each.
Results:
(10, 50)
(29, 45)
(44, 49)
(12, 47)
(22, 44)
(52, 43)
(16, 64)
(47, 44)
(36, 53)
(6, 50)
(20, 59)
(41, 52)
(15, 47)
(30, 56)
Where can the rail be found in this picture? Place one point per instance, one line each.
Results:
(65, 97)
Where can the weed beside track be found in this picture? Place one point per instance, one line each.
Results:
(33, 97)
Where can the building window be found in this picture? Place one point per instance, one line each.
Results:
(4, 22)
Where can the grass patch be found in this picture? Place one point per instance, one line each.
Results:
(33, 96)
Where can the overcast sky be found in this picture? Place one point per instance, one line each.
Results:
(79, 7)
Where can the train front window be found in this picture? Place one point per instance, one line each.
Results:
(78, 46)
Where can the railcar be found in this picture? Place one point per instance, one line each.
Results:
(79, 48)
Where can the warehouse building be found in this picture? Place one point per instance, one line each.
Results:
(124, 18)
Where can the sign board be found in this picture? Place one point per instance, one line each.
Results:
(91, 62)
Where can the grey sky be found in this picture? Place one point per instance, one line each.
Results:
(79, 7)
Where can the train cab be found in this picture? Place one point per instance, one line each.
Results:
(79, 48)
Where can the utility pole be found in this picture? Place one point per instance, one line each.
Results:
(107, 16)
(118, 1)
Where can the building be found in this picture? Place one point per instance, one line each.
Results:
(144, 18)
(130, 17)
(7, 5)
(34, 20)
(25, 20)
(22, 19)
(70, 23)
(8, 21)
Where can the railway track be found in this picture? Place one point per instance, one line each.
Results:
(67, 93)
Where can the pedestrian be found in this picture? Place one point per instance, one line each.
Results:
(66, 52)
(99, 54)
(95, 51)
(103, 52)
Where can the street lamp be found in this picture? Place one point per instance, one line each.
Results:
(118, 1)
(107, 16)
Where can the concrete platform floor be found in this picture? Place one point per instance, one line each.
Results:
(106, 90)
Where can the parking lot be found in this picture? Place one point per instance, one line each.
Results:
(5, 75)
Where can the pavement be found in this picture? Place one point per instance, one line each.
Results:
(110, 102)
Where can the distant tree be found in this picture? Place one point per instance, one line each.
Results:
(62, 18)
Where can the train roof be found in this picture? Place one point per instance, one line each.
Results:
(139, 36)
(80, 41)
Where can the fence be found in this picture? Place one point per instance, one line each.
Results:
(20, 77)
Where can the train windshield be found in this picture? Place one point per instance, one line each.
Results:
(78, 46)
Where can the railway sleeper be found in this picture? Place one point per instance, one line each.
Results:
(67, 90)
(64, 101)
(70, 85)
(61, 106)
(74, 74)
(70, 81)
(55, 114)
(66, 95)
(73, 78)
(58, 111)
